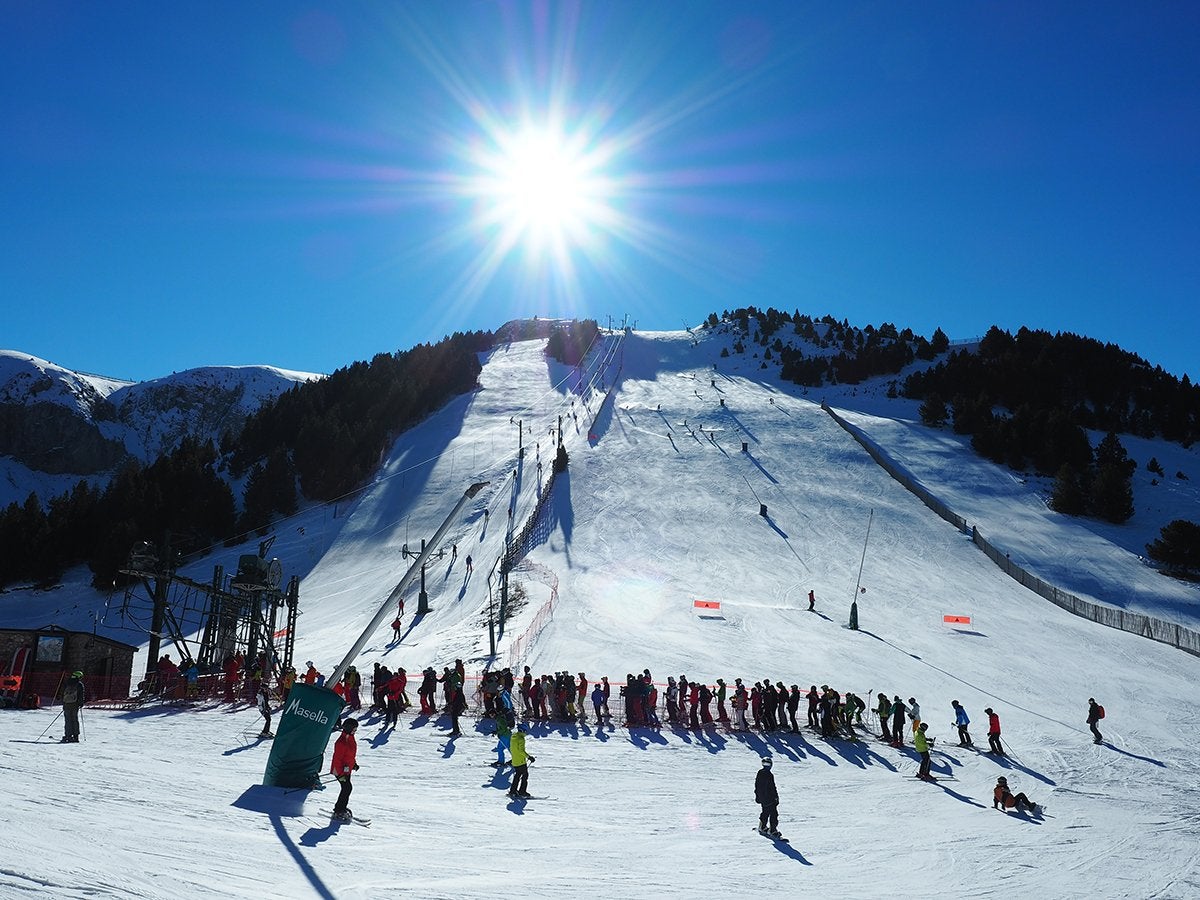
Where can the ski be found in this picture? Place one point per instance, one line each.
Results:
(935, 778)
(777, 838)
(357, 820)
(510, 797)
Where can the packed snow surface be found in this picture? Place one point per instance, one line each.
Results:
(659, 507)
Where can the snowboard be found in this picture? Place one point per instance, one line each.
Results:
(778, 840)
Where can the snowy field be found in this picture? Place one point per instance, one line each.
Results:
(660, 507)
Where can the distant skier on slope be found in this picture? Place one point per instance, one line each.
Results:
(767, 796)
(812, 601)
(1095, 714)
(961, 720)
(994, 732)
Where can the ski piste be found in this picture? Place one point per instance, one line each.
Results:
(779, 839)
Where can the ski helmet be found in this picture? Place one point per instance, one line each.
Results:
(766, 761)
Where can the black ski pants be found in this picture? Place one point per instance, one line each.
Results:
(520, 780)
(769, 818)
(343, 800)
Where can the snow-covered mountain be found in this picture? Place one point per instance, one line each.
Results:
(676, 452)
(57, 426)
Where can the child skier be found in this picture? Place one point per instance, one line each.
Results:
(345, 761)
(520, 763)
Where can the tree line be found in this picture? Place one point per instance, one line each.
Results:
(319, 440)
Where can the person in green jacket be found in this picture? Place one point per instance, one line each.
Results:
(922, 744)
(884, 709)
(520, 761)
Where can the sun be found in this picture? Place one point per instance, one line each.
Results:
(542, 189)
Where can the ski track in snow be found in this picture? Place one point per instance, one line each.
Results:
(640, 527)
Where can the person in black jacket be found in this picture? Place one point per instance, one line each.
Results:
(73, 696)
(1093, 717)
(767, 796)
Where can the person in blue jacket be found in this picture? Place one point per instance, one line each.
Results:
(961, 720)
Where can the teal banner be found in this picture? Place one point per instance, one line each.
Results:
(302, 735)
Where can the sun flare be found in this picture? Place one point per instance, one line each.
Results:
(542, 189)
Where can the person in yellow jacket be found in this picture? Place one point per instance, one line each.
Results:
(922, 745)
(520, 760)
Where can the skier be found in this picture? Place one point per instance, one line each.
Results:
(470, 567)
(607, 691)
(1003, 799)
(597, 703)
(961, 720)
(740, 701)
(73, 696)
(914, 714)
(767, 796)
(394, 688)
(793, 703)
(396, 625)
(672, 700)
(353, 681)
(705, 699)
(581, 688)
(898, 710)
(345, 753)
(812, 601)
(231, 675)
(264, 707)
(311, 674)
(994, 732)
(813, 699)
(922, 743)
(722, 716)
(503, 738)
(521, 759)
(884, 709)
(1095, 714)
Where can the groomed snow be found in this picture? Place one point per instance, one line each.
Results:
(660, 507)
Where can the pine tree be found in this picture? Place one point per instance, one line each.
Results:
(1178, 544)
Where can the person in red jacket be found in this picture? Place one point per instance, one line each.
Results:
(345, 755)
(994, 732)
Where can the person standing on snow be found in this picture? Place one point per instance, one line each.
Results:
(264, 707)
(922, 744)
(812, 601)
(962, 721)
(345, 761)
(1095, 714)
(767, 796)
(793, 704)
(740, 701)
(814, 699)
(503, 737)
(914, 714)
(722, 716)
(672, 698)
(898, 710)
(994, 732)
(520, 762)
(73, 696)
(884, 709)
(597, 702)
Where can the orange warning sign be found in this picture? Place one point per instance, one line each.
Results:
(957, 620)
(707, 604)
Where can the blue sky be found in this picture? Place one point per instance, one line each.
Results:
(307, 185)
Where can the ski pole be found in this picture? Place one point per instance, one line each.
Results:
(51, 725)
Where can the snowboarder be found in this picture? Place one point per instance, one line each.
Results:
(345, 761)
(1003, 799)
(767, 796)
(812, 601)
(994, 732)
(264, 707)
(73, 696)
(520, 759)
(922, 743)
(961, 721)
(1095, 714)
